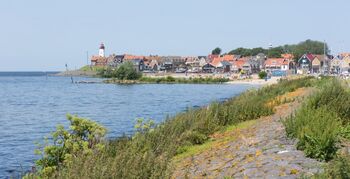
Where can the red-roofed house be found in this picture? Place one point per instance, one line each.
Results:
(305, 62)
(211, 57)
(98, 61)
(277, 64)
(221, 65)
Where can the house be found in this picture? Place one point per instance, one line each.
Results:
(138, 64)
(272, 64)
(170, 63)
(247, 67)
(305, 62)
(193, 64)
(221, 65)
(211, 57)
(314, 63)
(208, 68)
(260, 59)
(255, 64)
(237, 66)
(98, 61)
(335, 65)
(345, 64)
(152, 62)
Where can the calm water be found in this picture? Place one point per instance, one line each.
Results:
(32, 104)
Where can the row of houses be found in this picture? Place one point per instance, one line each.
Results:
(308, 63)
(311, 63)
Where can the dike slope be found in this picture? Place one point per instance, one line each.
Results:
(258, 149)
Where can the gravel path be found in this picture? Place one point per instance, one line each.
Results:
(259, 151)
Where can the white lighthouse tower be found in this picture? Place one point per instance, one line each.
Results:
(101, 51)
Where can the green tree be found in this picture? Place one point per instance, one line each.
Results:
(126, 71)
(262, 74)
(256, 51)
(216, 51)
(308, 46)
(275, 52)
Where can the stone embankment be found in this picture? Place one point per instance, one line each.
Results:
(261, 150)
(77, 73)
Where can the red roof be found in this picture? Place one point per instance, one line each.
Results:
(132, 57)
(276, 62)
(287, 56)
(216, 61)
(238, 63)
(211, 57)
(310, 56)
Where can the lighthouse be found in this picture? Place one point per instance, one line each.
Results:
(101, 51)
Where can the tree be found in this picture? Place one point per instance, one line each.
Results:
(126, 71)
(275, 52)
(262, 74)
(216, 51)
(256, 51)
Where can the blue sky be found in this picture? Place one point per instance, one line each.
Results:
(44, 35)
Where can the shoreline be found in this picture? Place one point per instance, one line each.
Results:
(233, 78)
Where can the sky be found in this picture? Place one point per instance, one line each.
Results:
(42, 35)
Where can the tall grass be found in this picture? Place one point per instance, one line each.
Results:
(149, 152)
(319, 122)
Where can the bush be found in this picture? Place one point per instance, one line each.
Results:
(322, 120)
(83, 139)
(262, 75)
(316, 130)
(125, 71)
(337, 168)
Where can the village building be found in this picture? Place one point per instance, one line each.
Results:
(305, 63)
(221, 65)
(272, 64)
(99, 60)
(237, 66)
(192, 64)
(171, 63)
(345, 64)
(335, 65)
(208, 68)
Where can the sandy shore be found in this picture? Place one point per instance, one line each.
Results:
(270, 81)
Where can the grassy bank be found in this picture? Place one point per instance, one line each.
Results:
(169, 80)
(323, 124)
(149, 152)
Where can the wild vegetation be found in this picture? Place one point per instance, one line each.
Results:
(92, 68)
(125, 71)
(171, 80)
(322, 124)
(148, 153)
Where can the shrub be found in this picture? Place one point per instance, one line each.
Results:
(316, 130)
(83, 138)
(337, 168)
(126, 71)
(322, 119)
(262, 74)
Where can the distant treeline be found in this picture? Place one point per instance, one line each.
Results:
(308, 46)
